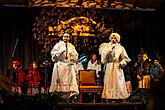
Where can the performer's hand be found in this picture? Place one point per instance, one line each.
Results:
(120, 66)
(139, 77)
(64, 52)
(156, 80)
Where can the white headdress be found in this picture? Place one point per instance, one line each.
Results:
(66, 34)
(116, 35)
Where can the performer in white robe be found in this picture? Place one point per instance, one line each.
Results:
(114, 56)
(64, 75)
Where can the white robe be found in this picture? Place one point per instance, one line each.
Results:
(114, 80)
(94, 66)
(64, 74)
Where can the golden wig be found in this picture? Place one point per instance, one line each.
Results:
(116, 35)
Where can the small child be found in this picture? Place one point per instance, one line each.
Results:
(33, 78)
(156, 71)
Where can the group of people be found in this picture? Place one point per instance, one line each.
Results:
(113, 57)
(147, 72)
(22, 82)
(114, 60)
(112, 68)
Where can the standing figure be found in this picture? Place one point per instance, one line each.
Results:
(135, 68)
(64, 56)
(18, 76)
(33, 78)
(114, 56)
(156, 72)
(143, 75)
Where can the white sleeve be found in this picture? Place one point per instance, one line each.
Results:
(125, 58)
(73, 52)
(89, 65)
(103, 51)
(56, 51)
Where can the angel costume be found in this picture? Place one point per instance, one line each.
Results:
(114, 57)
(64, 74)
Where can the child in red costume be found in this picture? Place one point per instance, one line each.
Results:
(17, 76)
(33, 78)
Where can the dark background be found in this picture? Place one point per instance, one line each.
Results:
(139, 29)
(143, 30)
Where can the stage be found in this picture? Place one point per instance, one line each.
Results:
(101, 106)
(52, 102)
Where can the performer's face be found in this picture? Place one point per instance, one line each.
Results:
(14, 66)
(139, 57)
(66, 38)
(114, 39)
(145, 57)
(156, 62)
(34, 65)
(94, 57)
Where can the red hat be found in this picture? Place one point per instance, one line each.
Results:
(93, 55)
(16, 62)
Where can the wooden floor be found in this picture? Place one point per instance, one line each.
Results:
(101, 106)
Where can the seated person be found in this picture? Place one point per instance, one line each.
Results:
(95, 64)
